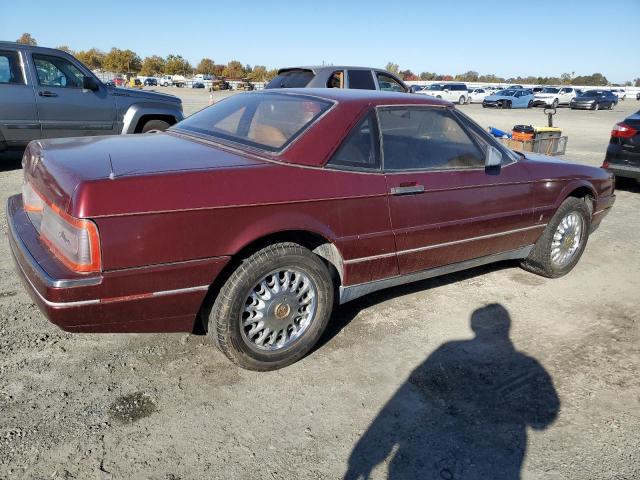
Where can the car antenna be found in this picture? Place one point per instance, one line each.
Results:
(112, 175)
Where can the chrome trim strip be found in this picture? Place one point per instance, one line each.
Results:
(355, 291)
(439, 245)
(164, 293)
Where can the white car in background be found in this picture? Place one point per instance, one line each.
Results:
(554, 96)
(165, 81)
(620, 93)
(453, 92)
(476, 95)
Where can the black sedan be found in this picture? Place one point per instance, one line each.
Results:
(623, 153)
(594, 100)
(150, 82)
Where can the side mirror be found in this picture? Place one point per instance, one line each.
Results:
(89, 83)
(493, 157)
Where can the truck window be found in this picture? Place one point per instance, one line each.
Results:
(361, 80)
(57, 72)
(10, 71)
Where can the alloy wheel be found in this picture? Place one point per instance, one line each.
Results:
(567, 239)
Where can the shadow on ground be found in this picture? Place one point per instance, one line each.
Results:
(463, 413)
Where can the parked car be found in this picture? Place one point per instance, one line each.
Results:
(197, 85)
(47, 93)
(416, 88)
(262, 225)
(219, 84)
(477, 95)
(166, 81)
(537, 89)
(638, 96)
(510, 98)
(361, 78)
(594, 100)
(514, 87)
(554, 96)
(135, 83)
(110, 83)
(453, 92)
(623, 153)
(150, 82)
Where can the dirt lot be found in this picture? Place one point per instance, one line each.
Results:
(401, 384)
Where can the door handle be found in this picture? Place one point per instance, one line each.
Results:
(407, 189)
(47, 93)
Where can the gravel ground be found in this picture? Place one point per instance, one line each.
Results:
(403, 384)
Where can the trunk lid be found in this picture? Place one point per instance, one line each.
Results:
(57, 168)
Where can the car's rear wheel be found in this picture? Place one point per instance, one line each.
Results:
(461, 100)
(530, 104)
(611, 105)
(273, 308)
(564, 239)
(154, 125)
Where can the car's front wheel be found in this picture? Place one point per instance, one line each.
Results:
(273, 308)
(461, 100)
(564, 239)
(530, 104)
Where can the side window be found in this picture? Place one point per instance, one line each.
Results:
(361, 80)
(10, 71)
(415, 138)
(57, 72)
(358, 151)
(336, 80)
(388, 84)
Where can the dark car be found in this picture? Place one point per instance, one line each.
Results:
(416, 88)
(361, 78)
(638, 96)
(150, 82)
(197, 85)
(594, 100)
(259, 213)
(623, 152)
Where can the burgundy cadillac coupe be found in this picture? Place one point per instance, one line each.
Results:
(274, 206)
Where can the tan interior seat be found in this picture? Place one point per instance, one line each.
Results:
(267, 135)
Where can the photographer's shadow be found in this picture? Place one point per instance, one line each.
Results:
(464, 412)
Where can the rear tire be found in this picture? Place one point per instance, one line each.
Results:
(251, 292)
(461, 100)
(553, 244)
(596, 106)
(530, 104)
(154, 125)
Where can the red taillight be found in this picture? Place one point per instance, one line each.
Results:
(605, 164)
(621, 130)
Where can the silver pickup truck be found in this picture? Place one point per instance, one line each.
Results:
(47, 93)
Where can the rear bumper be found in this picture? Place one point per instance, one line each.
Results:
(159, 298)
(623, 161)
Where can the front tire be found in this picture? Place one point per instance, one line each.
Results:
(160, 125)
(273, 308)
(530, 104)
(461, 100)
(563, 241)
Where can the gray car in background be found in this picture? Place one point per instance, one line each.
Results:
(47, 93)
(363, 78)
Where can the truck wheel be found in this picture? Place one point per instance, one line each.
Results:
(461, 100)
(273, 308)
(564, 239)
(154, 125)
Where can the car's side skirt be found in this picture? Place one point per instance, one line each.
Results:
(355, 291)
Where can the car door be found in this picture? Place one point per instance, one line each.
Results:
(66, 109)
(18, 119)
(445, 206)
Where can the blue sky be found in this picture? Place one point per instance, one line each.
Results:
(514, 38)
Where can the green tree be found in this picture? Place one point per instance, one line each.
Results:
(637, 82)
(566, 78)
(206, 67)
(407, 75)
(469, 76)
(258, 74)
(152, 66)
(392, 67)
(65, 48)
(27, 39)
(122, 61)
(427, 76)
(234, 69)
(176, 65)
(93, 58)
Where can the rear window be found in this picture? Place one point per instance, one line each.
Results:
(269, 121)
(10, 71)
(361, 80)
(291, 79)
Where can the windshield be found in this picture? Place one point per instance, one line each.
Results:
(268, 121)
(591, 93)
(435, 87)
(550, 90)
(506, 93)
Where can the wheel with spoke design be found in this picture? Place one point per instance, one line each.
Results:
(273, 308)
(564, 239)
